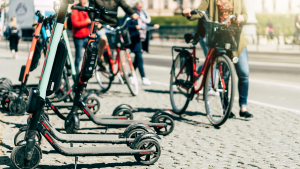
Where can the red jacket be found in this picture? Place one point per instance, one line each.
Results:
(80, 28)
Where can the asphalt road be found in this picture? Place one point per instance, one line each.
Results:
(274, 79)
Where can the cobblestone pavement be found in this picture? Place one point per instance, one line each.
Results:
(269, 140)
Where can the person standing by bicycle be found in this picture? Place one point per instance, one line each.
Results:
(80, 30)
(138, 35)
(220, 10)
(110, 5)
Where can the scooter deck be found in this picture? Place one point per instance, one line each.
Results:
(125, 123)
(101, 151)
(85, 118)
(87, 138)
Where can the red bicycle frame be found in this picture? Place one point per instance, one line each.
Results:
(208, 61)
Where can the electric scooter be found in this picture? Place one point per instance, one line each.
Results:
(162, 122)
(28, 154)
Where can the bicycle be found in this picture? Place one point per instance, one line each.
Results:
(216, 76)
(122, 65)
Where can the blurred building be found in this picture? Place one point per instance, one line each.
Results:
(277, 6)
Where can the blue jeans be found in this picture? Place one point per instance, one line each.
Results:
(203, 46)
(79, 44)
(242, 70)
(139, 63)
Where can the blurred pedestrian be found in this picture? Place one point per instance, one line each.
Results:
(219, 10)
(80, 30)
(270, 31)
(14, 34)
(110, 5)
(297, 25)
(138, 33)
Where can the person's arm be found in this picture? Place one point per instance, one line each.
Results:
(91, 4)
(298, 25)
(147, 17)
(126, 7)
(75, 20)
(132, 24)
(19, 32)
(203, 7)
(244, 12)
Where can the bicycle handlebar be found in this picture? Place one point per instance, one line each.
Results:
(193, 12)
(91, 9)
(119, 27)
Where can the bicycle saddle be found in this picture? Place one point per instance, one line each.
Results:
(191, 36)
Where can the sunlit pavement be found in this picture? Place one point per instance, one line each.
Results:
(270, 139)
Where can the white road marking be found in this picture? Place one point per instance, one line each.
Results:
(250, 101)
(166, 57)
(275, 83)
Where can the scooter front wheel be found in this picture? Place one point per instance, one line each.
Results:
(17, 107)
(148, 144)
(124, 112)
(18, 157)
(135, 133)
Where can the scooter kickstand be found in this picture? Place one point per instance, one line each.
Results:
(106, 129)
(76, 159)
(120, 78)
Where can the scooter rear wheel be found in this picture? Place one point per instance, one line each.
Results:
(92, 100)
(135, 133)
(124, 112)
(148, 144)
(164, 130)
(17, 107)
(18, 155)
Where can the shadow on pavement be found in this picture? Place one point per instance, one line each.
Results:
(17, 125)
(96, 165)
(4, 160)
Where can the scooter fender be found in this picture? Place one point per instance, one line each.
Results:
(122, 106)
(164, 112)
(71, 116)
(24, 128)
(136, 125)
(138, 139)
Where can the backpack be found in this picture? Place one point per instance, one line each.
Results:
(14, 31)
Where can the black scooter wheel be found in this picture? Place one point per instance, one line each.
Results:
(164, 130)
(134, 133)
(21, 136)
(18, 155)
(121, 106)
(148, 144)
(93, 103)
(124, 112)
(17, 107)
(5, 102)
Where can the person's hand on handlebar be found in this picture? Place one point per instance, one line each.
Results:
(135, 16)
(156, 26)
(239, 19)
(88, 20)
(187, 12)
(99, 26)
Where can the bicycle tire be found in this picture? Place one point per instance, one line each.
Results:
(224, 104)
(177, 110)
(104, 77)
(129, 73)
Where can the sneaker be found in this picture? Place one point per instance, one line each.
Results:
(146, 81)
(231, 116)
(246, 114)
(13, 52)
(212, 93)
(131, 79)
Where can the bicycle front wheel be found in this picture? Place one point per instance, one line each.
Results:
(104, 76)
(181, 85)
(219, 90)
(128, 72)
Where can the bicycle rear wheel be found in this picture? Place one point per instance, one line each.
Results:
(129, 73)
(219, 92)
(104, 76)
(181, 85)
